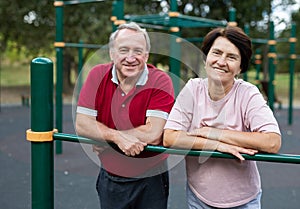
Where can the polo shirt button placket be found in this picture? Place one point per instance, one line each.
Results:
(123, 105)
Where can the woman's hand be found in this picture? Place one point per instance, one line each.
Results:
(235, 150)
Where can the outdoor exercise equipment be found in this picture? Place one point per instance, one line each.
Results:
(42, 135)
(269, 85)
(172, 23)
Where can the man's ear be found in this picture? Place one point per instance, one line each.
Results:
(111, 54)
(146, 57)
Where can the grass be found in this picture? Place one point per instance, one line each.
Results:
(17, 73)
(282, 85)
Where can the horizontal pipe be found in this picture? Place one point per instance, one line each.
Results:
(278, 158)
(72, 2)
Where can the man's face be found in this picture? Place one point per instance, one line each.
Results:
(129, 53)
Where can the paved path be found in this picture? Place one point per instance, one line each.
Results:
(75, 172)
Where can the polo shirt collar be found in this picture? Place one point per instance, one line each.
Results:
(142, 79)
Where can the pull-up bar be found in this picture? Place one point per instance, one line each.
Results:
(279, 158)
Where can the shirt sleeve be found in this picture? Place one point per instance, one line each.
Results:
(258, 115)
(181, 115)
(162, 98)
(86, 100)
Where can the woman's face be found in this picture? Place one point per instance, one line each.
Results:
(223, 61)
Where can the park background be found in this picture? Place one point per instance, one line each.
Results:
(28, 30)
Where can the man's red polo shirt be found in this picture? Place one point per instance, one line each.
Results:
(102, 97)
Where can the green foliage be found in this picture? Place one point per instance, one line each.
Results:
(29, 26)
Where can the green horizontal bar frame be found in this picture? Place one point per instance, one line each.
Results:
(81, 45)
(278, 158)
(80, 1)
(183, 21)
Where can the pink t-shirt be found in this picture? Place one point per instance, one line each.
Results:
(222, 182)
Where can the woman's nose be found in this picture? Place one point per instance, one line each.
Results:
(221, 60)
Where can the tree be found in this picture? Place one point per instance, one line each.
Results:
(31, 24)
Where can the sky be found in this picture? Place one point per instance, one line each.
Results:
(284, 13)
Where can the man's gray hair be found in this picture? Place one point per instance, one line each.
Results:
(132, 26)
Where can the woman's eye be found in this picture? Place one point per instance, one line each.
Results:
(216, 52)
(233, 58)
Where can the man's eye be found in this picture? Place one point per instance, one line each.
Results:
(123, 51)
(138, 52)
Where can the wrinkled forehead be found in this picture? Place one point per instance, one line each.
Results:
(127, 37)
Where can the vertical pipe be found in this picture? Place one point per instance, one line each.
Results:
(59, 73)
(292, 69)
(175, 47)
(174, 6)
(42, 164)
(271, 60)
(258, 63)
(246, 29)
(80, 65)
(232, 17)
(117, 13)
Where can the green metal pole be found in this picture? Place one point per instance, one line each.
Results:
(174, 6)
(42, 164)
(117, 13)
(232, 17)
(292, 70)
(59, 73)
(80, 65)
(272, 59)
(174, 61)
(175, 47)
(258, 63)
(247, 31)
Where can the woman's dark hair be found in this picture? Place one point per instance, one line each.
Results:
(236, 36)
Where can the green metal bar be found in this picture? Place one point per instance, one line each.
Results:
(82, 45)
(232, 14)
(280, 158)
(175, 49)
(80, 65)
(81, 1)
(206, 22)
(174, 61)
(259, 41)
(292, 71)
(42, 165)
(59, 74)
(258, 63)
(247, 31)
(271, 60)
(173, 6)
(118, 12)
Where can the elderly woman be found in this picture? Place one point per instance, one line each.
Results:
(225, 114)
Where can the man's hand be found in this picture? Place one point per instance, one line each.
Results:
(129, 144)
(99, 149)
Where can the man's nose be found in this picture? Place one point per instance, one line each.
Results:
(130, 57)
